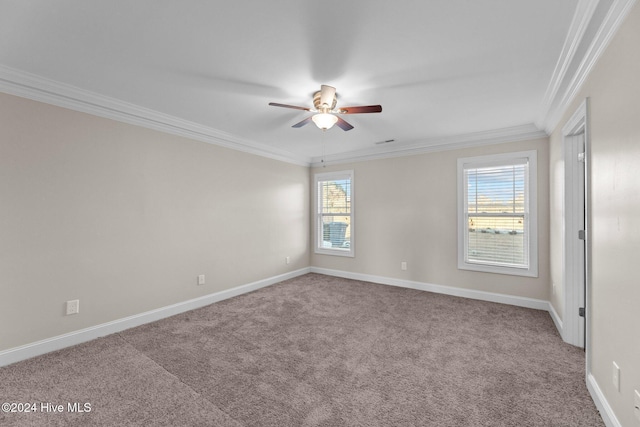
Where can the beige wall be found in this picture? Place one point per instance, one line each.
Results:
(125, 218)
(405, 210)
(613, 88)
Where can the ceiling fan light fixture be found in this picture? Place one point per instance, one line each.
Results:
(324, 121)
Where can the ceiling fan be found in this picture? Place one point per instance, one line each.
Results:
(324, 102)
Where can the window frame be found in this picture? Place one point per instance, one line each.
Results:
(318, 215)
(531, 208)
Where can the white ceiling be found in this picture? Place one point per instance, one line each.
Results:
(444, 71)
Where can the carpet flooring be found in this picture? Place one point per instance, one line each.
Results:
(315, 351)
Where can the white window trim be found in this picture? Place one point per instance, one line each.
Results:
(318, 249)
(531, 185)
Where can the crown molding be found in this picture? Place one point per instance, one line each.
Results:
(579, 23)
(37, 88)
(607, 28)
(31, 86)
(475, 139)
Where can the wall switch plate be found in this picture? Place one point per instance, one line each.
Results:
(287, 260)
(201, 279)
(403, 265)
(616, 376)
(73, 307)
(636, 404)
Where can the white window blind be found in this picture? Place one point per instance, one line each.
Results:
(334, 213)
(496, 226)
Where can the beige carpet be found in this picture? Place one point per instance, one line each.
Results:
(317, 351)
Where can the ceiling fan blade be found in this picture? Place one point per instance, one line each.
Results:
(327, 94)
(362, 109)
(275, 104)
(302, 123)
(343, 125)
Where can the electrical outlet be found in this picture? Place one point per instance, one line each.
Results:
(636, 404)
(616, 376)
(403, 265)
(201, 279)
(73, 307)
(287, 260)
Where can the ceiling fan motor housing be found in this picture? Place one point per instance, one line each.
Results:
(317, 102)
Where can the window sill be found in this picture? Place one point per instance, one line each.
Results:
(335, 252)
(511, 271)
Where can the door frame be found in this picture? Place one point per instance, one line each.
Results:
(576, 292)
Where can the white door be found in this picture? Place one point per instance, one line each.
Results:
(580, 258)
(575, 240)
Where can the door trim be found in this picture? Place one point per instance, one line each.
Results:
(575, 127)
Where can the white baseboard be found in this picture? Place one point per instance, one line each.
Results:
(27, 351)
(606, 412)
(440, 289)
(556, 319)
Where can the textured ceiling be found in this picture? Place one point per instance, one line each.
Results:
(444, 71)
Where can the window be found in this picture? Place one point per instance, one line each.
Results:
(497, 227)
(334, 213)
